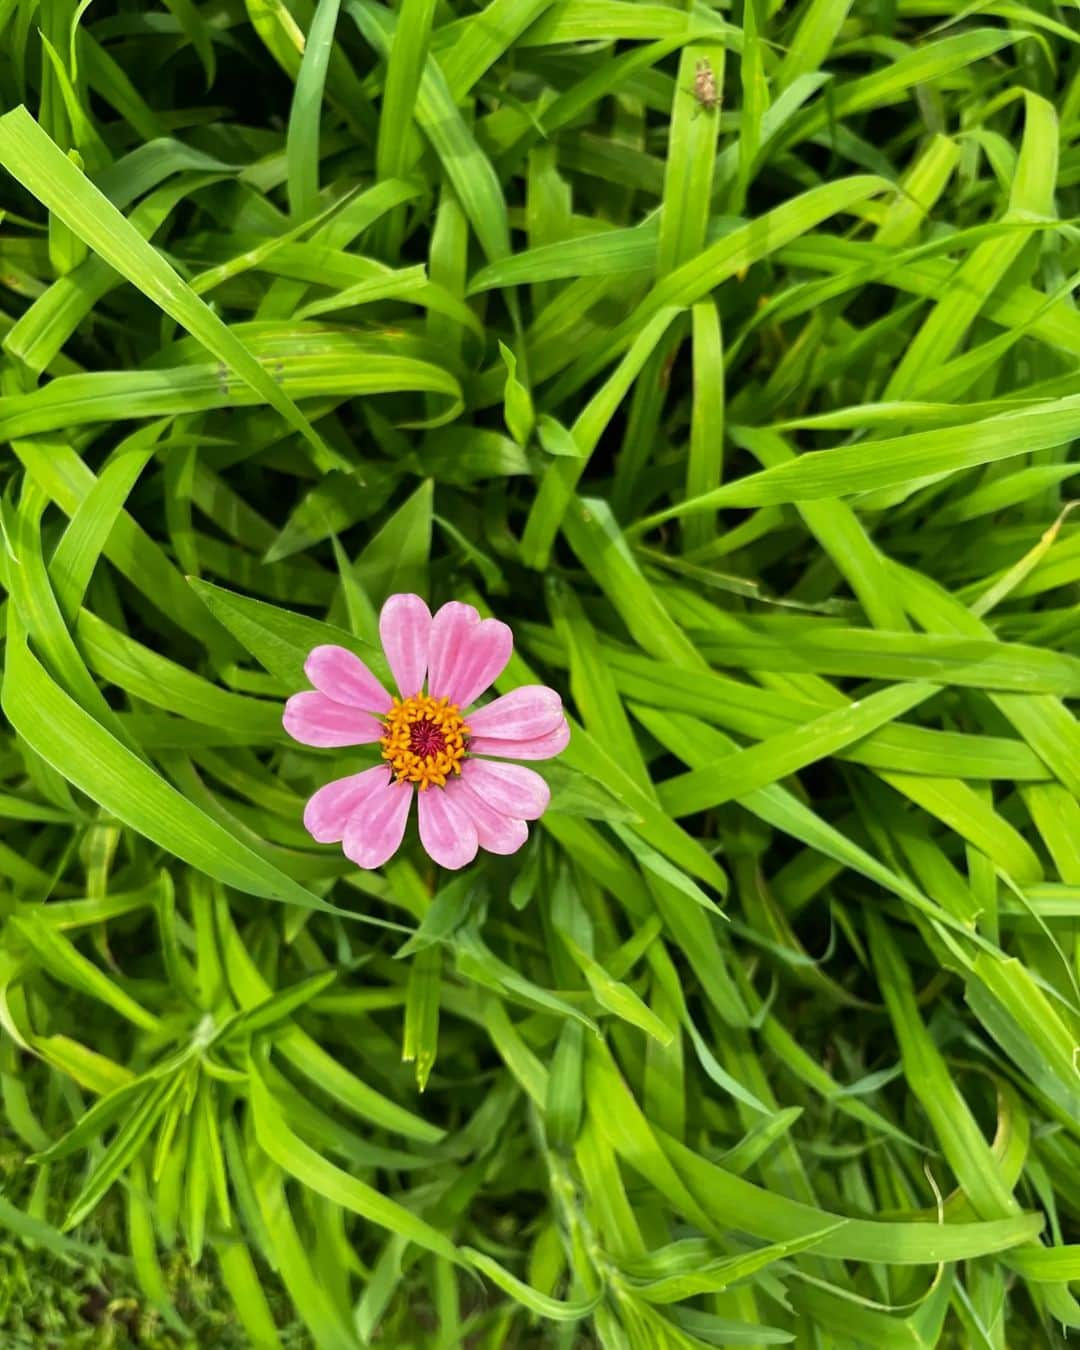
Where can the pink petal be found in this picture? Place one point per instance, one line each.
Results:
(446, 830)
(540, 747)
(376, 827)
(496, 832)
(466, 653)
(343, 677)
(314, 719)
(521, 715)
(327, 812)
(405, 630)
(507, 788)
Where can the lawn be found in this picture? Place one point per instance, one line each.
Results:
(722, 354)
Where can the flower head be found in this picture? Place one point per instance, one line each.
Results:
(435, 745)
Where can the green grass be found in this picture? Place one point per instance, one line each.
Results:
(755, 423)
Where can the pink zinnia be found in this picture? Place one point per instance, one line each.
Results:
(430, 740)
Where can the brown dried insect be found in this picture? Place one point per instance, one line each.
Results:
(704, 87)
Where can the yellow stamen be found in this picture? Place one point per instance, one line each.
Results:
(424, 741)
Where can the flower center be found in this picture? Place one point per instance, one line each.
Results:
(424, 741)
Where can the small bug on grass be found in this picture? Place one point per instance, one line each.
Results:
(704, 87)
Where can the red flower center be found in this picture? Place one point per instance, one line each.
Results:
(424, 741)
(426, 738)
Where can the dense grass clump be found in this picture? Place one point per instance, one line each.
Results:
(729, 353)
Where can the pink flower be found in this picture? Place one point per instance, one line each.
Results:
(467, 797)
